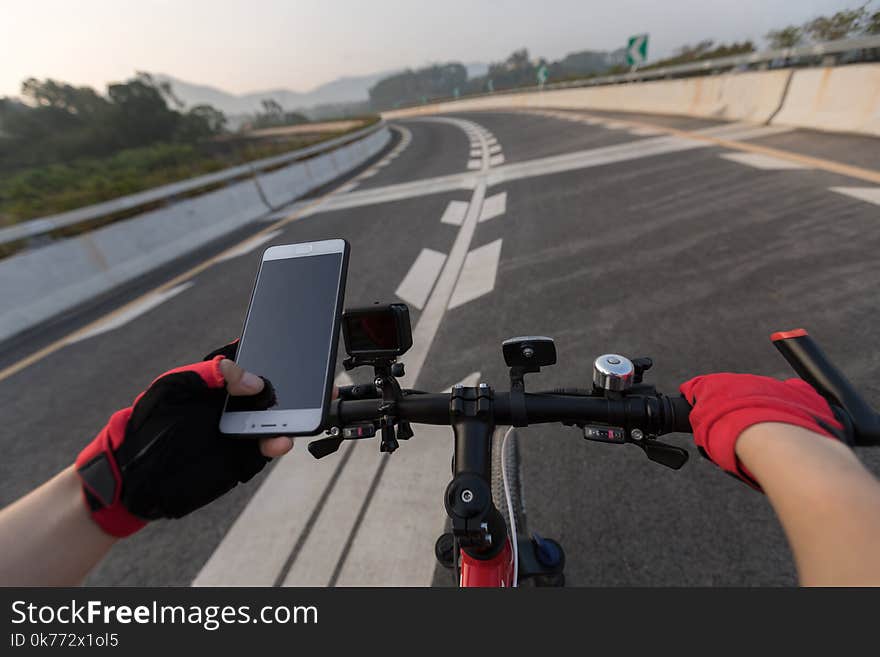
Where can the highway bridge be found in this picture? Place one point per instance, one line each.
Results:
(688, 240)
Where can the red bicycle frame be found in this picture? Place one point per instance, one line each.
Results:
(495, 572)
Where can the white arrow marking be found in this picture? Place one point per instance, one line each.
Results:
(469, 381)
(477, 274)
(494, 206)
(132, 312)
(420, 278)
(761, 161)
(869, 194)
(455, 212)
(248, 246)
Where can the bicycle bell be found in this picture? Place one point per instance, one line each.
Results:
(613, 372)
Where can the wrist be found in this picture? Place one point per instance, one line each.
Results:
(762, 446)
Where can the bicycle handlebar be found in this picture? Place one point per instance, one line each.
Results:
(653, 415)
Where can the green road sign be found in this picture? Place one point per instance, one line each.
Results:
(637, 50)
(543, 74)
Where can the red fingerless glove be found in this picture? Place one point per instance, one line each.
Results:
(725, 405)
(164, 456)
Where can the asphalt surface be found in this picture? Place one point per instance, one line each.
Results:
(687, 257)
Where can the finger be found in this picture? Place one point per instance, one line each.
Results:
(275, 447)
(240, 382)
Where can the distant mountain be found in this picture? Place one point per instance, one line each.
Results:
(349, 89)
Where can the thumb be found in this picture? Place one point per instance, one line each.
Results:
(240, 382)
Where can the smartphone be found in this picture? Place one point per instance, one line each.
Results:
(290, 336)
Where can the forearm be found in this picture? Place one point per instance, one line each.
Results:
(47, 537)
(827, 502)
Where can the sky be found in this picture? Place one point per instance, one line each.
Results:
(252, 45)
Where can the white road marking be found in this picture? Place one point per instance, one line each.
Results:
(474, 164)
(258, 544)
(347, 187)
(594, 157)
(248, 245)
(491, 141)
(494, 206)
(420, 467)
(132, 312)
(869, 194)
(476, 153)
(530, 168)
(761, 161)
(469, 381)
(724, 129)
(397, 192)
(494, 150)
(615, 125)
(383, 163)
(369, 173)
(496, 160)
(757, 132)
(478, 274)
(417, 284)
(455, 212)
(645, 132)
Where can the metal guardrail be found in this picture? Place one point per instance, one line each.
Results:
(786, 55)
(732, 62)
(43, 225)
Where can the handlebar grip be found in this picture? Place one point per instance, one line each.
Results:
(810, 363)
(681, 411)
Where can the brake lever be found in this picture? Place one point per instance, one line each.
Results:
(324, 446)
(664, 454)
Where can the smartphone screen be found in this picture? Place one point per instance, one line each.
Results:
(290, 337)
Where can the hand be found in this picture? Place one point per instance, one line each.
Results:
(164, 456)
(725, 405)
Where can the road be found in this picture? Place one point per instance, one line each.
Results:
(686, 240)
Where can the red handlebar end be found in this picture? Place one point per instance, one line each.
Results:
(783, 335)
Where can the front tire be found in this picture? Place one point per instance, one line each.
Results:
(511, 460)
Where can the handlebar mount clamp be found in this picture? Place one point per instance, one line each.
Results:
(525, 355)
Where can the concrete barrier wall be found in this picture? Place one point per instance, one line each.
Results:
(36, 285)
(837, 99)
(753, 96)
(840, 99)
